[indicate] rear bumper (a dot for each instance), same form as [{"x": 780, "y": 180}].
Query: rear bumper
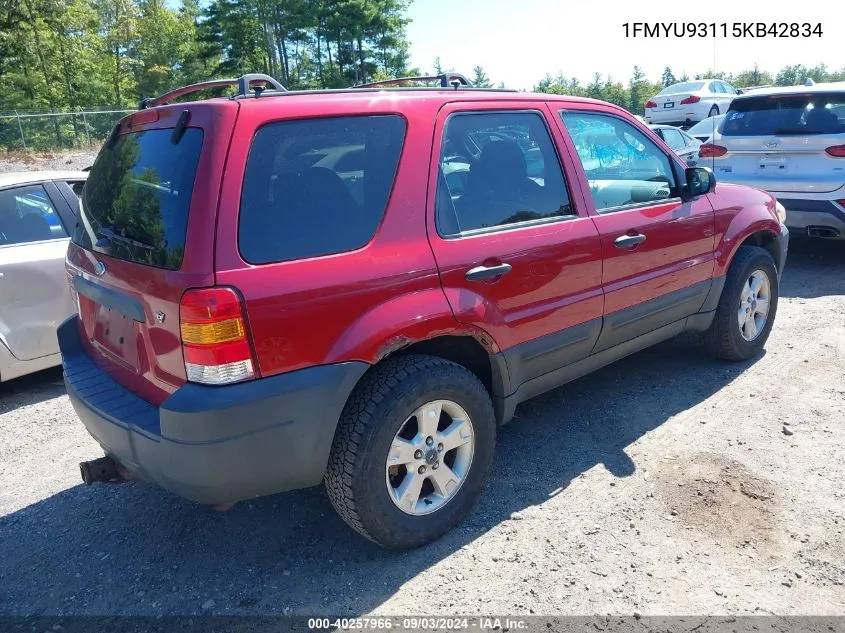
[
  {"x": 783, "y": 243},
  {"x": 804, "y": 215},
  {"x": 214, "y": 444}
]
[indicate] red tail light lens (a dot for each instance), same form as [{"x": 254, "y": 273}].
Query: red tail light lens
[
  {"x": 690, "y": 99},
  {"x": 837, "y": 151},
  {"x": 215, "y": 344},
  {"x": 711, "y": 151},
  {"x": 650, "y": 104}
]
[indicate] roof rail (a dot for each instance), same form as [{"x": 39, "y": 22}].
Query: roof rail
[
  {"x": 243, "y": 83},
  {"x": 455, "y": 80}
]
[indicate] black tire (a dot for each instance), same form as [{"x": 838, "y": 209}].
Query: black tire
[
  {"x": 714, "y": 111},
  {"x": 723, "y": 339},
  {"x": 387, "y": 395}
]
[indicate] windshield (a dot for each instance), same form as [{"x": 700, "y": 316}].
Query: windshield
[
  {"x": 790, "y": 114},
  {"x": 690, "y": 86},
  {"x": 135, "y": 203}
]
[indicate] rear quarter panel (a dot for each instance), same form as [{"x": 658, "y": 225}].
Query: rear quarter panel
[{"x": 740, "y": 212}]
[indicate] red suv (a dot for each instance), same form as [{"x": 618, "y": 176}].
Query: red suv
[{"x": 359, "y": 286}]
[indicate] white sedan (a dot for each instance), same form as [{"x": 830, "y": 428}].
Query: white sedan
[
  {"x": 37, "y": 215},
  {"x": 690, "y": 102},
  {"x": 684, "y": 145}
]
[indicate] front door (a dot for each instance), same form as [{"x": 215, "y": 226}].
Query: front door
[
  {"x": 517, "y": 257},
  {"x": 657, "y": 247}
]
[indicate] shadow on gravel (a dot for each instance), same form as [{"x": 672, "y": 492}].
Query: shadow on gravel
[
  {"x": 814, "y": 268},
  {"x": 31, "y": 389},
  {"x": 133, "y": 549}
]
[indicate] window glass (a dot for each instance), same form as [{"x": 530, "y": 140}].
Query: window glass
[
  {"x": 714, "y": 87},
  {"x": 623, "y": 166},
  {"x": 674, "y": 138},
  {"x": 317, "y": 186},
  {"x": 498, "y": 168},
  {"x": 136, "y": 200},
  {"x": 27, "y": 215},
  {"x": 786, "y": 114},
  {"x": 690, "y": 86}
]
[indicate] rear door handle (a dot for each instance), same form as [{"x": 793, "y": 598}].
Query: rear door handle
[
  {"x": 480, "y": 273},
  {"x": 629, "y": 241}
]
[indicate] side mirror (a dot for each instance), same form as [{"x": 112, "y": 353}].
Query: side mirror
[{"x": 700, "y": 181}]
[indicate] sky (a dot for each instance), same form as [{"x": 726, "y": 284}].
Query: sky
[{"x": 519, "y": 41}]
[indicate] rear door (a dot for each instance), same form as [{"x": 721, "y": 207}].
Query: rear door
[
  {"x": 145, "y": 234},
  {"x": 517, "y": 252},
  {"x": 34, "y": 296},
  {"x": 779, "y": 142},
  {"x": 657, "y": 248}
]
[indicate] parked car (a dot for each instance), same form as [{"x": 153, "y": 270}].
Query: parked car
[
  {"x": 37, "y": 214},
  {"x": 684, "y": 145},
  {"x": 704, "y": 130},
  {"x": 246, "y": 328},
  {"x": 791, "y": 142},
  {"x": 690, "y": 102}
]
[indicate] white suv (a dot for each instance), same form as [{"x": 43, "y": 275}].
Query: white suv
[{"x": 791, "y": 143}]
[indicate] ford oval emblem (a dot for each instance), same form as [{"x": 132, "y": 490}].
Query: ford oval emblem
[{"x": 100, "y": 269}]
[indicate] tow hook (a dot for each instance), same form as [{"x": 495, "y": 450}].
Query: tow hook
[{"x": 104, "y": 469}]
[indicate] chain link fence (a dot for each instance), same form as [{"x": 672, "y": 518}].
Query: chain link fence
[{"x": 42, "y": 131}]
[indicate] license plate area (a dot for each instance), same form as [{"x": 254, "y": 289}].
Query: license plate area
[
  {"x": 773, "y": 165},
  {"x": 669, "y": 104},
  {"x": 114, "y": 334}
]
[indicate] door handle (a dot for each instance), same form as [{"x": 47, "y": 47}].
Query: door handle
[
  {"x": 629, "y": 241},
  {"x": 481, "y": 273}
]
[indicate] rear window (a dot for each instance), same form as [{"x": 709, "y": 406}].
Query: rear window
[
  {"x": 136, "y": 200},
  {"x": 318, "y": 186},
  {"x": 794, "y": 114},
  {"x": 692, "y": 86}
]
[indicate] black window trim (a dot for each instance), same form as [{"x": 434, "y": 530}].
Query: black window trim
[
  {"x": 674, "y": 164},
  {"x": 58, "y": 206},
  {"x": 279, "y": 262},
  {"x": 516, "y": 225}
]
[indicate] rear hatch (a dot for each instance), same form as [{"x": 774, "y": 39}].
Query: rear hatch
[
  {"x": 144, "y": 235},
  {"x": 783, "y": 143}
]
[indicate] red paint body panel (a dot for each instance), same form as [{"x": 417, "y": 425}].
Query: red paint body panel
[{"x": 740, "y": 212}]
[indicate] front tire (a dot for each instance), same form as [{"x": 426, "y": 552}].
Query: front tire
[
  {"x": 412, "y": 451},
  {"x": 747, "y": 307}
]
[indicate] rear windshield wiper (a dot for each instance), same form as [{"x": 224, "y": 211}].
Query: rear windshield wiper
[{"x": 110, "y": 235}]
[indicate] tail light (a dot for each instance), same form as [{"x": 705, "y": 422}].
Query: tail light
[
  {"x": 215, "y": 343},
  {"x": 709, "y": 150},
  {"x": 650, "y": 104},
  {"x": 690, "y": 99},
  {"x": 837, "y": 151}
]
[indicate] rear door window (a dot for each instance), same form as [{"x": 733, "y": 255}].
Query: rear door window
[
  {"x": 784, "y": 115},
  {"x": 317, "y": 186},
  {"x": 136, "y": 200},
  {"x": 674, "y": 138}
]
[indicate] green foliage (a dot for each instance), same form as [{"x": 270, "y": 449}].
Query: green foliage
[{"x": 480, "y": 78}]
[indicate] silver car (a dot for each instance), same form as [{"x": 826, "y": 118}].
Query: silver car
[{"x": 37, "y": 214}]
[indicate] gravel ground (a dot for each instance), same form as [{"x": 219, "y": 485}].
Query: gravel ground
[
  {"x": 668, "y": 483},
  {"x": 70, "y": 161}
]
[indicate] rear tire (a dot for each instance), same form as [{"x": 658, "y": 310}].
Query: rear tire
[
  {"x": 714, "y": 111},
  {"x": 740, "y": 328},
  {"x": 363, "y": 480}
]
